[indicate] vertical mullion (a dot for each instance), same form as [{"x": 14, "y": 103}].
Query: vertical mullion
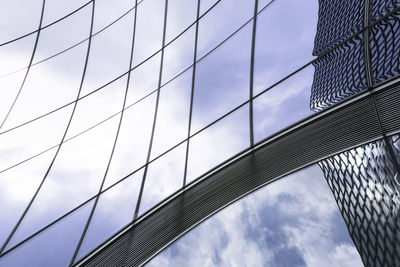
[
  {"x": 114, "y": 143},
  {"x": 192, "y": 92},
  {"x": 155, "y": 114},
  {"x": 251, "y": 86}
]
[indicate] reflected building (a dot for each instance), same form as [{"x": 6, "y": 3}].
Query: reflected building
[{"x": 359, "y": 45}]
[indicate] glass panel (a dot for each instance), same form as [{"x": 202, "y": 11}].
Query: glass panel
[
  {"x": 97, "y": 107},
  {"x": 14, "y": 56},
  {"x": 75, "y": 176},
  {"x": 178, "y": 55},
  {"x": 144, "y": 79},
  {"x": 64, "y": 34},
  {"x": 17, "y": 187},
  {"x": 218, "y": 142},
  {"x": 206, "y": 5},
  {"x": 283, "y": 45},
  {"x": 181, "y": 14},
  {"x": 49, "y": 85},
  {"x": 222, "y": 80},
  {"x": 109, "y": 54},
  {"x": 263, "y": 3},
  {"x": 286, "y": 223},
  {"x": 24, "y": 142},
  {"x": 164, "y": 177},
  {"x": 173, "y": 114},
  {"x": 53, "y": 247},
  {"x": 222, "y": 21},
  {"x": 18, "y": 18},
  {"x": 283, "y": 105},
  {"x": 149, "y": 29},
  {"x": 114, "y": 210},
  {"x": 56, "y": 9},
  {"x": 133, "y": 141},
  {"x": 108, "y": 11}
]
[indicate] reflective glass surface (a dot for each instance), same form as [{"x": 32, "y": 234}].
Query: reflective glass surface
[{"x": 150, "y": 120}]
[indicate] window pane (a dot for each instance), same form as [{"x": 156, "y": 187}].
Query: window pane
[
  {"x": 225, "y": 18},
  {"x": 56, "y": 9},
  {"x": 17, "y": 187},
  {"x": 114, "y": 210},
  {"x": 180, "y": 15},
  {"x": 178, "y": 55},
  {"x": 133, "y": 141},
  {"x": 108, "y": 11},
  {"x": 48, "y": 86},
  {"x": 222, "y": 80},
  {"x": 18, "y": 18},
  {"x": 283, "y": 105},
  {"x": 284, "y": 40},
  {"x": 75, "y": 176},
  {"x": 286, "y": 223},
  {"x": 173, "y": 114},
  {"x": 53, "y": 247},
  {"x": 218, "y": 142},
  {"x": 24, "y": 142},
  {"x": 149, "y": 29},
  {"x": 144, "y": 79},
  {"x": 164, "y": 177},
  {"x": 109, "y": 58}
]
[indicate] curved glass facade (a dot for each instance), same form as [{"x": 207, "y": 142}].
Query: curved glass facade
[{"x": 115, "y": 116}]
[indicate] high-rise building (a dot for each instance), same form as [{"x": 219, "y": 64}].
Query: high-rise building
[{"x": 365, "y": 179}]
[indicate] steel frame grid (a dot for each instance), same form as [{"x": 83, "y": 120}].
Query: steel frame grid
[{"x": 252, "y": 53}]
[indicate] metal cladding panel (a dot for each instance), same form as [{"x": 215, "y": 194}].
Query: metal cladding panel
[{"x": 336, "y": 131}]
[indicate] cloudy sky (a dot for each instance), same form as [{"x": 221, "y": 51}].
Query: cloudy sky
[{"x": 284, "y": 43}]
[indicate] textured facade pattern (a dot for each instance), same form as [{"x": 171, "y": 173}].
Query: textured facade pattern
[
  {"x": 385, "y": 48},
  {"x": 334, "y": 73},
  {"x": 363, "y": 180}
]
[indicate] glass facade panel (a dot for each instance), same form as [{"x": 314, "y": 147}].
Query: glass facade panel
[
  {"x": 173, "y": 114},
  {"x": 109, "y": 59},
  {"x": 17, "y": 187},
  {"x": 53, "y": 247},
  {"x": 180, "y": 16},
  {"x": 39, "y": 95},
  {"x": 222, "y": 80},
  {"x": 149, "y": 29},
  {"x": 74, "y": 177},
  {"x": 24, "y": 16},
  {"x": 114, "y": 210},
  {"x": 283, "y": 45},
  {"x": 161, "y": 181},
  {"x": 213, "y": 30},
  {"x": 218, "y": 142},
  {"x": 291, "y": 97},
  {"x": 133, "y": 141}
]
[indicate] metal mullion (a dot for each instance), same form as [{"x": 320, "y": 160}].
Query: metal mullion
[
  {"x": 251, "y": 86},
  {"x": 155, "y": 113},
  {"x": 62, "y": 139},
  {"x": 114, "y": 144},
  {"x": 192, "y": 92}
]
